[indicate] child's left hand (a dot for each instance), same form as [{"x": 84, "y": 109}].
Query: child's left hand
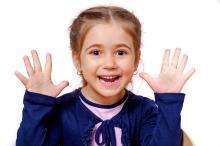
[{"x": 171, "y": 77}]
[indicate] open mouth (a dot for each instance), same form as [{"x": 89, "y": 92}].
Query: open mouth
[{"x": 110, "y": 80}]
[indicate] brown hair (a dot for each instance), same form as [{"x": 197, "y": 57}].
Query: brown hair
[{"x": 104, "y": 14}]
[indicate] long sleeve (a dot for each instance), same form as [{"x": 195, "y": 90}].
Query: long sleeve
[
  {"x": 38, "y": 121},
  {"x": 161, "y": 124}
]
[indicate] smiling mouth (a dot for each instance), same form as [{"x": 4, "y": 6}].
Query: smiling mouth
[{"x": 109, "y": 79}]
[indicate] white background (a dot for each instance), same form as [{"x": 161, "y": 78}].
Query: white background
[{"x": 193, "y": 25}]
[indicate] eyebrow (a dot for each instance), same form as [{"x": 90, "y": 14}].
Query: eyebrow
[
  {"x": 117, "y": 46},
  {"x": 94, "y": 45},
  {"x": 123, "y": 45}
]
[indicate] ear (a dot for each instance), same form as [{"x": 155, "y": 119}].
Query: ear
[
  {"x": 136, "y": 64},
  {"x": 76, "y": 62},
  {"x": 135, "y": 69}
]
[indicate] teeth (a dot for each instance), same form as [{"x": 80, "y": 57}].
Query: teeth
[{"x": 108, "y": 77}]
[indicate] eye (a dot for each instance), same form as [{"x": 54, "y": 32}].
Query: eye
[
  {"x": 121, "y": 52},
  {"x": 95, "y": 52}
]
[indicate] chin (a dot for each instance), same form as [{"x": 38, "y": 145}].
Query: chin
[{"x": 107, "y": 92}]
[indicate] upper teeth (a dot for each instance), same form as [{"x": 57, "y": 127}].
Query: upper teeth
[{"x": 109, "y": 77}]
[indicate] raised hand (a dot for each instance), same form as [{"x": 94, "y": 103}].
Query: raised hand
[
  {"x": 39, "y": 80},
  {"x": 171, "y": 77}
]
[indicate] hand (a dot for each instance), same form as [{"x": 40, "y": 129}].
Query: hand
[
  {"x": 171, "y": 77},
  {"x": 39, "y": 80}
]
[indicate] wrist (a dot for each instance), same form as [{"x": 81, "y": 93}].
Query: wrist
[
  {"x": 169, "y": 96},
  {"x": 38, "y": 98}
]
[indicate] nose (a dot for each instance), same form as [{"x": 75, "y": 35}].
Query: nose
[{"x": 110, "y": 62}]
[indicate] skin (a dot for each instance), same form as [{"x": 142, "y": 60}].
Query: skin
[
  {"x": 171, "y": 78},
  {"x": 110, "y": 61},
  {"x": 101, "y": 57}
]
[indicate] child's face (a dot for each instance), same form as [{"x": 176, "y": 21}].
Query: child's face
[{"x": 107, "y": 60}]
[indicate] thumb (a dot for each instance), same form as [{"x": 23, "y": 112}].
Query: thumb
[
  {"x": 62, "y": 85},
  {"x": 148, "y": 78}
]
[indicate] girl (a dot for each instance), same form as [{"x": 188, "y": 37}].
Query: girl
[{"x": 105, "y": 43}]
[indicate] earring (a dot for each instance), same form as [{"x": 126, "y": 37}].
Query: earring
[
  {"x": 135, "y": 73},
  {"x": 79, "y": 73}
]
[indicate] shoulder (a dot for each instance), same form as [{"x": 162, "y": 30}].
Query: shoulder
[
  {"x": 139, "y": 99},
  {"x": 140, "y": 103},
  {"x": 68, "y": 99}
]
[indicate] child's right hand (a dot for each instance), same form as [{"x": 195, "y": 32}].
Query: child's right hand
[{"x": 39, "y": 80}]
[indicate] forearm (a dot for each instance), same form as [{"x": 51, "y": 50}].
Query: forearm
[
  {"x": 161, "y": 123},
  {"x": 35, "y": 119},
  {"x": 168, "y": 128}
]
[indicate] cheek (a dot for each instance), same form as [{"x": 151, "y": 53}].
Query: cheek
[
  {"x": 128, "y": 67},
  {"x": 89, "y": 66}
]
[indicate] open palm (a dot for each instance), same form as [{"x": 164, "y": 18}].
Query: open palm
[
  {"x": 171, "y": 77},
  {"x": 39, "y": 80}
]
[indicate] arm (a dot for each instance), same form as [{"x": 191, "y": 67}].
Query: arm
[
  {"x": 39, "y": 125},
  {"x": 165, "y": 125},
  {"x": 161, "y": 122}
]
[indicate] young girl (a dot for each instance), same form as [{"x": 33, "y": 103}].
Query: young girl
[{"x": 105, "y": 43}]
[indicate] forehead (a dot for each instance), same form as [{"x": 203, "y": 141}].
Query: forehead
[{"x": 108, "y": 34}]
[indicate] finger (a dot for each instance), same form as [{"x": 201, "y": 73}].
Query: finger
[
  {"x": 189, "y": 74},
  {"x": 22, "y": 78},
  {"x": 36, "y": 60},
  {"x": 183, "y": 63},
  {"x": 62, "y": 85},
  {"x": 165, "y": 62},
  {"x": 28, "y": 66},
  {"x": 48, "y": 65},
  {"x": 175, "y": 58},
  {"x": 147, "y": 78}
]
